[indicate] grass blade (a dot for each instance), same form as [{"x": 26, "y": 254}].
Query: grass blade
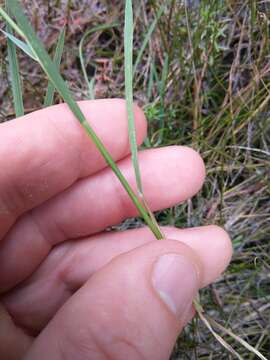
[
  {"x": 57, "y": 60},
  {"x": 226, "y": 346},
  {"x": 90, "y": 84},
  {"x": 54, "y": 76},
  {"x": 20, "y": 44},
  {"x": 210, "y": 323},
  {"x": 128, "y": 43},
  {"x": 236, "y": 338},
  {"x": 162, "y": 88},
  {"x": 147, "y": 38},
  {"x": 14, "y": 74}
]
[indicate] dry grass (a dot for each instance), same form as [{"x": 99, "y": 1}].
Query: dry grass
[{"x": 203, "y": 81}]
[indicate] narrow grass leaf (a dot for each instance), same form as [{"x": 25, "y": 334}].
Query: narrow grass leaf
[
  {"x": 91, "y": 89},
  {"x": 90, "y": 84},
  {"x": 20, "y": 44},
  {"x": 164, "y": 75},
  {"x": 128, "y": 43},
  {"x": 162, "y": 88},
  {"x": 15, "y": 79},
  {"x": 147, "y": 38},
  {"x": 236, "y": 337},
  {"x": 150, "y": 83},
  {"x": 57, "y": 60},
  {"x": 54, "y": 76},
  {"x": 227, "y": 346},
  {"x": 210, "y": 323}
]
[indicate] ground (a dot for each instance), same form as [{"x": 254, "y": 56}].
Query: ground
[{"x": 203, "y": 81}]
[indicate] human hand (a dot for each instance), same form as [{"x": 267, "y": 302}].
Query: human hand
[{"x": 70, "y": 290}]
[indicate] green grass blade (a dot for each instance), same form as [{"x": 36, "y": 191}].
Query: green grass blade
[
  {"x": 53, "y": 74},
  {"x": 91, "y": 89},
  {"x": 57, "y": 60},
  {"x": 164, "y": 75},
  {"x": 128, "y": 43},
  {"x": 14, "y": 74},
  {"x": 147, "y": 38},
  {"x": 162, "y": 89},
  {"x": 20, "y": 44},
  {"x": 90, "y": 84},
  {"x": 150, "y": 83}
]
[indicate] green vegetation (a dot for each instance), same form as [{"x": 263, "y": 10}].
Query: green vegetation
[{"x": 203, "y": 81}]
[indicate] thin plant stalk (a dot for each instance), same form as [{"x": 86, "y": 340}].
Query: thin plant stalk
[{"x": 54, "y": 76}]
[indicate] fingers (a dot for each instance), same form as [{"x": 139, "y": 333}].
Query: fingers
[
  {"x": 103, "y": 193},
  {"x": 70, "y": 265},
  {"x": 95, "y": 203},
  {"x": 53, "y": 151},
  {"x": 133, "y": 308}
]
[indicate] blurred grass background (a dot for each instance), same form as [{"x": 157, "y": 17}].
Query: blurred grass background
[{"x": 203, "y": 81}]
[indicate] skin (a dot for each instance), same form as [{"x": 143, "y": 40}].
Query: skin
[{"x": 68, "y": 289}]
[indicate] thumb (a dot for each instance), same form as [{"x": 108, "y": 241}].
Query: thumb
[{"x": 133, "y": 308}]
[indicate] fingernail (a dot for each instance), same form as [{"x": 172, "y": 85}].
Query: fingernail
[{"x": 175, "y": 279}]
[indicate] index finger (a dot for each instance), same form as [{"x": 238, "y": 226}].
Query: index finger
[{"x": 45, "y": 152}]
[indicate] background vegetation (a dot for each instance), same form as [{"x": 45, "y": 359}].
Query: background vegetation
[{"x": 203, "y": 81}]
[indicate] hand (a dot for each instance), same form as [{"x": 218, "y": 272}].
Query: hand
[{"x": 70, "y": 290}]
